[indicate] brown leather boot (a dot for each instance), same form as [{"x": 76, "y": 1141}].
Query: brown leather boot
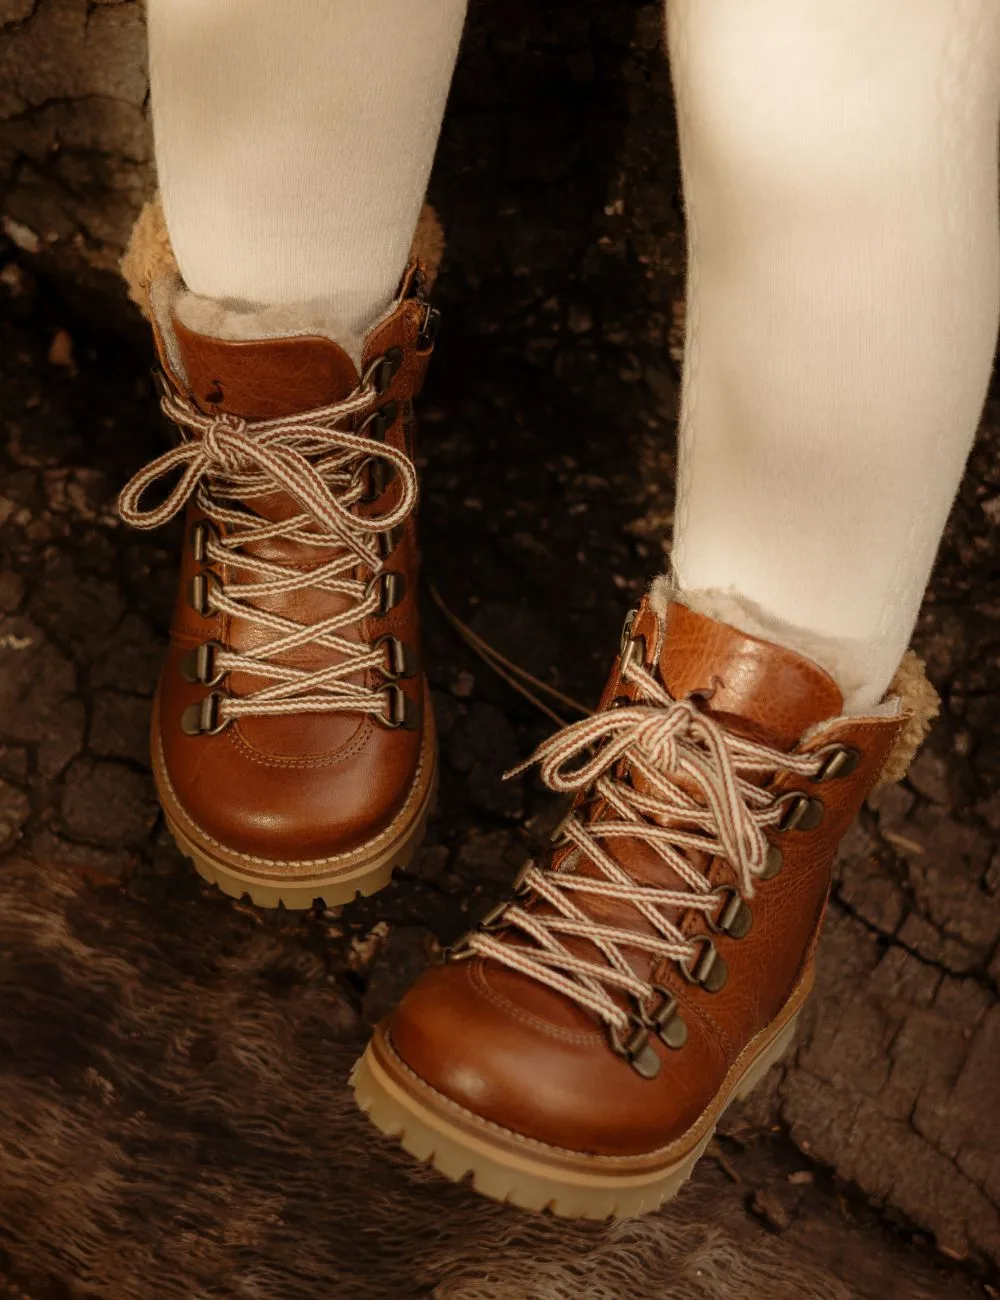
[
  {"x": 576, "y": 1052},
  {"x": 292, "y": 737}
]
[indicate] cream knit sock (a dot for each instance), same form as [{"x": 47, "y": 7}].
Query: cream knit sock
[
  {"x": 840, "y": 172},
  {"x": 294, "y": 139}
]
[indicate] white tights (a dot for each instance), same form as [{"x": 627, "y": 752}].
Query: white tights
[
  {"x": 294, "y": 139},
  {"x": 840, "y": 174},
  {"x": 840, "y": 164}
]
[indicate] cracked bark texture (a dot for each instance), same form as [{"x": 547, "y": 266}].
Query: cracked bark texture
[
  {"x": 75, "y": 153},
  {"x": 548, "y": 430}
]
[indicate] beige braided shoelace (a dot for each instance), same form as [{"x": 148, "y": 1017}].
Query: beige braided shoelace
[
  {"x": 696, "y": 795},
  {"x": 226, "y": 464}
]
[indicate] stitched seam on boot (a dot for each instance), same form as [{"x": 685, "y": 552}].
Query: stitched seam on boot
[
  {"x": 536, "y": 1143},
  {"x": 346, "y": 751},
  {"x": 477, "y": 975},
  {"x": 386, "y": 833}
]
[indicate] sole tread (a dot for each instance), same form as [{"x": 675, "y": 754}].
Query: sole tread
[
  {"x": 364, "y": 879},
  {"x": 430, "y": 1139}
]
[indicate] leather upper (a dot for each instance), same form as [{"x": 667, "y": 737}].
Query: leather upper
[
  {"x": 515, "y": 1053},
  {"x": 299, "y": 787}
]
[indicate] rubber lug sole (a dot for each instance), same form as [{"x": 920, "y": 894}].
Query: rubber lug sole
[{"x": 524, "y": 1179}]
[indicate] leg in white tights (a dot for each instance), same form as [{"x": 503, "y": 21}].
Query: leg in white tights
[
  {"x": 294, "y": 139},
  {"x": 840, "y": 177},
  {"x": 840, "y": 170}
]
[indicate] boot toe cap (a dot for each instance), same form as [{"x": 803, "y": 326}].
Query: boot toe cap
[
  {"x": 504, "y": 1052},
  {"x": 257, "y": 806}
]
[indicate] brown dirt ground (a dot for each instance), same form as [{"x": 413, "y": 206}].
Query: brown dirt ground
[{"x": 872, "y": 1157}]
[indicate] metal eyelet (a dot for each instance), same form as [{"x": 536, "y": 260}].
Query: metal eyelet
[
  {"x": 842, "y": 760},
  {"x": 400, "y": 659},
  {"x": 666, "y": 1021},
  {"x": 202, "y": 533},
  {"x": 773, "y": 863},
  {"x": 520, "y": 884},
  {"x": 392, "y": 589},
  {"x": 559, "y": 835},
  {"x": 198, "y": 592},
  {"x": 634, "y": 652},
  {"x": 709, "y": 969},
  {"x": 389, "y": 540},
  {"x": 804, "y": 812},
  {"x": 378, "y": 424},
  {"x": 637, "y": 1050},
  {"x": 198, "y": 665},
  {"x": 429, "y": 329},
  {"x": 160, "y": 381},
  {"x": 734, "y": 917},
  {"x": 383, "y": 370},
  {"x": 380, "y": 474},
  {"x": 204, "y": 717},
  {"x": 401, "y": 712},
  {"x": 493, "y": 920}
]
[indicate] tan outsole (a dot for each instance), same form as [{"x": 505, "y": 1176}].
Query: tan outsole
[
  {"x": 365, "y": 877},
  {"x": 523, "y": 1179}
]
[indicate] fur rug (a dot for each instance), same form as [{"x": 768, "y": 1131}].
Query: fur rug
[{"x": 174, "y": 1123}]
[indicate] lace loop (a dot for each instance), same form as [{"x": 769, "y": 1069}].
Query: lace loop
[
  {"x": 674, "y": 778},
  {"x": 228, "y": 462}
]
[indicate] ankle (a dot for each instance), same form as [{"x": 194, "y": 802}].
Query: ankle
[
  {"x": 222, "y": 319},
  {"x": 860, "y": 667}
]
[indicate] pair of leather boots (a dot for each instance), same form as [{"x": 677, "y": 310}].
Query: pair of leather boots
[{"x": 577, "y": 1049}]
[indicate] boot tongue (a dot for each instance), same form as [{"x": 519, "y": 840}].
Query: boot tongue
[
  {"x": 760, "y": 690},
  {"x": 264, "y": 379}
]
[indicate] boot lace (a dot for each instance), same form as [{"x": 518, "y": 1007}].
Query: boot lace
[
  {"x": 226, "y": 464},
  {"x": 696, "y": 794}
]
